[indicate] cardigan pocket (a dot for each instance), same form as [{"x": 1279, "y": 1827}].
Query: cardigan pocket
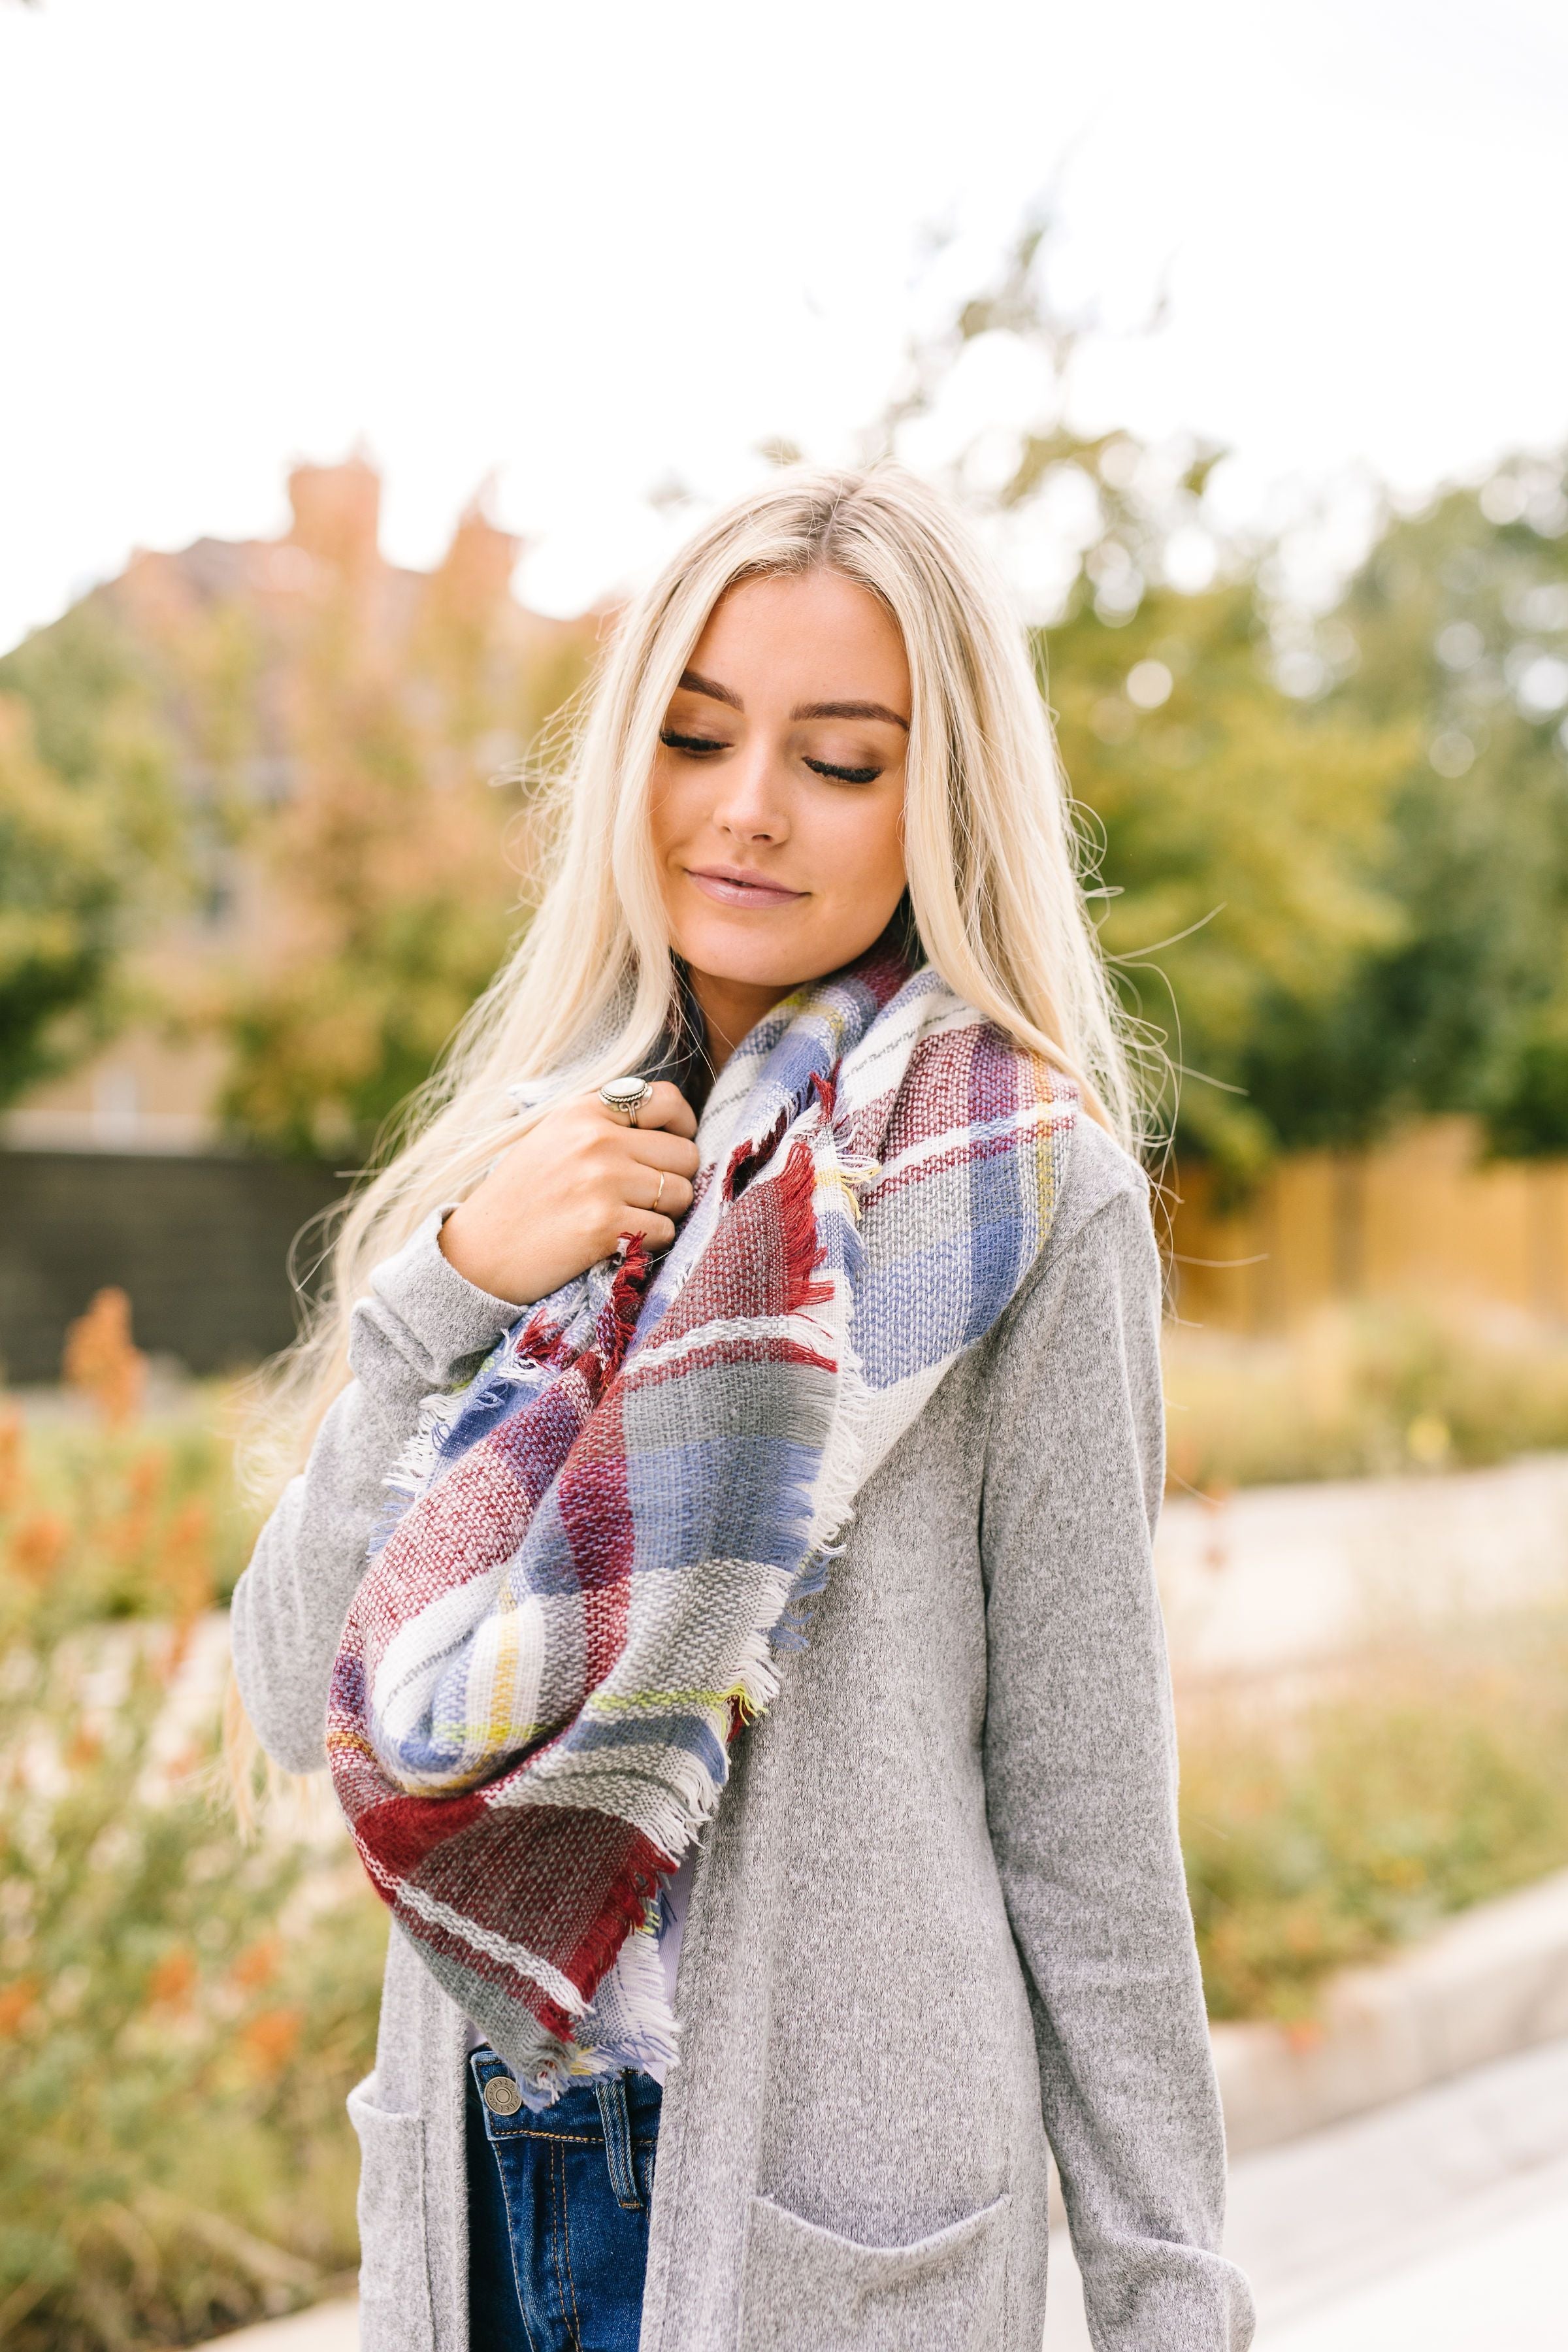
[
  {"x": 804, "y": 2289},
  {"x": 395, "y": 2309}
]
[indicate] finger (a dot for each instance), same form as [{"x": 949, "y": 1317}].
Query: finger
[
  {"x": 667, "y": 1107},
  {"x": 667, "y": 1196},
  {"x": 658, "y": 1233},
  {"x": 660, "y": 1149}
]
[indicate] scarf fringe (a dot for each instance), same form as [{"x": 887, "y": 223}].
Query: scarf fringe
[{"x": 653, "y": 2037}]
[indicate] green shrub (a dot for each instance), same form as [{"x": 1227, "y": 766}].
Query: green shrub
[
  {"x": 1326, "y": 1833},
  {"x": 181, "y": 2015},
  {"x": 1362, "y": 1390},
  {"x": 123, "y": 1522}
]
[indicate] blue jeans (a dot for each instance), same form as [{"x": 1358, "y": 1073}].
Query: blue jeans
[{"x": 558, "y": 2206}]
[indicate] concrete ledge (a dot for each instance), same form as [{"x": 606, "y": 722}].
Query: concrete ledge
[
  {"x": 1493, "y": 1981},
  {"x": 325, "y": 2327},
  {"x": 1276, "y": 1577}
]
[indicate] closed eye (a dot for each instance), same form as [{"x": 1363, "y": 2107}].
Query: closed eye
[
  {"x": 844, "y": 775},
  {"x": 694, "y": 744}
]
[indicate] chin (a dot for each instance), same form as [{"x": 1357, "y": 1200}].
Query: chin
[{"x": 740, "y": 951}]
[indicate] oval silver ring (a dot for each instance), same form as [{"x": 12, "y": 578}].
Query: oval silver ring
[{"x": 626, "y": 1095}]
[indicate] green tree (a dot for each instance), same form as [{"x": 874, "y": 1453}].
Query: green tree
[
  {"x": 1242, "y": 834},
  {"x": 1234, "y": 830},
  {"x": 1455, "y": 632},
  {"x": 309, "y": 735},
  {"x": 89, "y": 841},
  {"x": 390, "y": 856}
]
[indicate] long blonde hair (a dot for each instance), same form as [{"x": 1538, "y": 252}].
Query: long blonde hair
[{"x": 994, "y": 866}]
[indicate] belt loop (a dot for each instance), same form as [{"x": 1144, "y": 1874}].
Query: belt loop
[{"x": 611, "y": 2093}]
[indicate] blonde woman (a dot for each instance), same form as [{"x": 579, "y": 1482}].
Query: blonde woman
[{"x": 720, "y": 1580}]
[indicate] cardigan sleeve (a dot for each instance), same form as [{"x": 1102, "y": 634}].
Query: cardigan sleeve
[
  {"x": 422, "y": 1326},
  {"x": 1080, "y": 1790}
]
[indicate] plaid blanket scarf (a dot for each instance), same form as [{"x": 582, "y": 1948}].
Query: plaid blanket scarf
[{"x": 600, "y": 1546}]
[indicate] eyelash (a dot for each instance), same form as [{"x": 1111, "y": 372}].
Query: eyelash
[
  {"x": 696, "y": 746},
  {"x": 693, "y": 744},
  {"x": 844, "y": 775}
]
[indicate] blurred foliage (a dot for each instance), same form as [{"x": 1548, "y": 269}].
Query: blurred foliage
[
  {"x": 89, "y": 840},
  {"x": 1366, "y": 1388},
  {"x": 402, "y": 904},
  {"x": 121, "y": 1513},
  {"x": 1329, "y": 853},
  {"x": 1335, "y": 853},
  {"x": 391, "y": 847},
  {"x": 114, "y": 1510},
  {"x": 316, "y": 735},
  {"x": 1324, "y": 1835},
  {"x": 1458, "y": 620},
  {"x": 1242, "y": 832},
  {"x": 181, "y": 2015}
]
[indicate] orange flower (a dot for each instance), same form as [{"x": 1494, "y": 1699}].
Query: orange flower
[
  {"x": 271, "y": 2038},
  {"x": 10, "y": 1460},
  {"x": 171, "y": 1979},
  {"x": 40, "y": 1545},
  {"x": 185, "y": 1568},
  {"x": 146, "y": 1476},
  {"x": 16, "y": 2002},
  {"x": 127, "y": 1532},
  {"x": 176, "y": 1650},
  {"x": 101, "y": 1359},
  {"x": 257, "y": 1965}
]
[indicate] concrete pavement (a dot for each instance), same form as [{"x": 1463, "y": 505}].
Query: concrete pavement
[{"x": 329, "y": 2328}]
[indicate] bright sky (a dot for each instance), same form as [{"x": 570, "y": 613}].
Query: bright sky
[{"x": 586, "y": 249}]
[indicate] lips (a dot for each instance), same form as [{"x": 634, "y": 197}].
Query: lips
[{"x": 736, "y": 887}]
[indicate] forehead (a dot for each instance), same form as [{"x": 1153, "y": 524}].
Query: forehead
[{"x": 814, "y": 633}]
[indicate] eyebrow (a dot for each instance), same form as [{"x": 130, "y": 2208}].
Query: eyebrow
[
  {"x": 693, "y": 682},
  {"x": 849, "y": 711}
]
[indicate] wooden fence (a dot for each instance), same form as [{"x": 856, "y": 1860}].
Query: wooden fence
[
  {"x": 1423, "y": 1215},
  {"x": 200, "y": 1243}
]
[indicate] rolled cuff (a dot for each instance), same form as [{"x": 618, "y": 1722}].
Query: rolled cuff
[{"x": 448, "y": 1315}]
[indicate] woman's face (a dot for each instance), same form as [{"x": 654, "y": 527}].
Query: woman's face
[{"x": 778, "y": 793}]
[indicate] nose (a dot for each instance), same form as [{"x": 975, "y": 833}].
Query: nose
[{"x": 750, "y": 803}]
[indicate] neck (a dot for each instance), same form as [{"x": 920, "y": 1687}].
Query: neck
[{"x": 729, "y": 1009}]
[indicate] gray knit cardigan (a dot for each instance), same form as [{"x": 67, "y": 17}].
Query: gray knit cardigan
[{"x": 940, "y": 1914}]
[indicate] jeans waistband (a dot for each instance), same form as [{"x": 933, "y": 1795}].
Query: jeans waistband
[{"x": 612, "y": 2110}]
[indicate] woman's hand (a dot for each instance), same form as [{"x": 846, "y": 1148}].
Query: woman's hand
[{"x": 561, "y": 1198}]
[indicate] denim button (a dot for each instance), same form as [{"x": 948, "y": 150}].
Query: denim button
[{"x": 501, "y": 2095}]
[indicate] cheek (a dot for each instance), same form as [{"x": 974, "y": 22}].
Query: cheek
[
  {"x": 664, "y": 806},
  {"x": 862, "y": 846},
  {"x": 680, "y": 810}
]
